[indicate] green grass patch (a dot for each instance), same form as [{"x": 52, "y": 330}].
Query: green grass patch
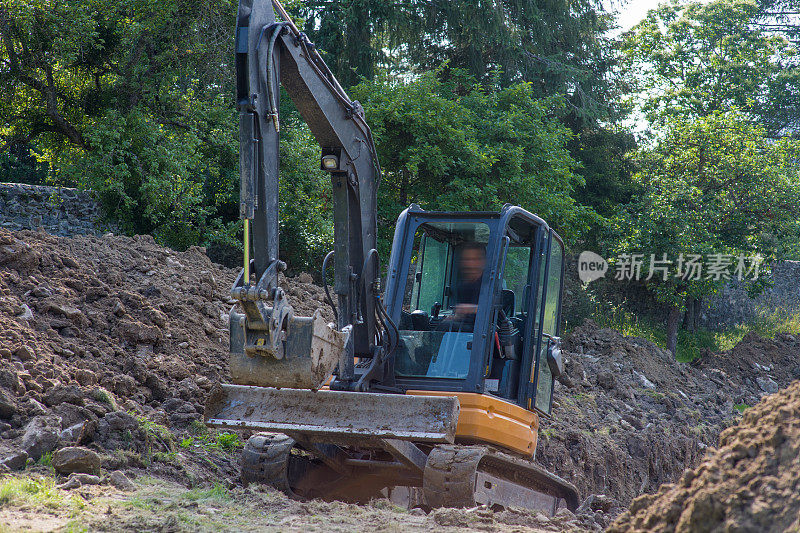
[
  {"x": 46, "y": 460},
  {"x": 165, "y": 457},
  {"x": 223, "y": 441},
  {"x": 692, "y": 344},
  {"x": 197, "y": 427},
  {"x": 37, "y": 492},
  {"x": 216, "y": 492},
  {"x": 103, "y": 396},
  {"x": 226, "y": 441},
  {"x": 157, "y": 432},
  {"x": 741, "y": 407}
]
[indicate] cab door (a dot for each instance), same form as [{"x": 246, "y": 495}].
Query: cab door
[{"x": 536, "y": 389}]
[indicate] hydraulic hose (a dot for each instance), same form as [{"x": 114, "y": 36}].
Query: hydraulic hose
[{"x": 273, "y": 30}]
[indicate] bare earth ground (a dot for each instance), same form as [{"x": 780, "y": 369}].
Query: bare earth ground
[
  {"x": 113, "y": 343},
  {"x": 750, "y": 483},
  {"x": 159, "y": 505}
]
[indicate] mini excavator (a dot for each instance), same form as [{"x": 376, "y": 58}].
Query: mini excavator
[{"x": 433, "y": 389}]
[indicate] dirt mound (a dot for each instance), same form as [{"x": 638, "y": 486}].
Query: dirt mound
[
  {"x": 750, "y": 483},
  {"x": 102, "y": 337},
  {"x": 756, "y": 366},
  {"x": 627, "y": 417}
]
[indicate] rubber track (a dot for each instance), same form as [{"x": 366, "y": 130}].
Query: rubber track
[
  {"x": 529, "y": 474},
  {"x": 450, "y": 472},
  {"x": 265, "y": 460},
  {"x": 449, "y": 478}
]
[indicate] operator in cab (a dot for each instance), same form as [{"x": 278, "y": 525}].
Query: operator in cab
[
  {"x": 472, "y": 263},
  {"x": 468, "y": 290}
]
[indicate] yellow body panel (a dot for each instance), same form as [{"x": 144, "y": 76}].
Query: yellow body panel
[{"x": 493, "y": 420}]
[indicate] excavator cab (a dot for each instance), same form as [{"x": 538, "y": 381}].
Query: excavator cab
[{"x": 477, "y": 301}]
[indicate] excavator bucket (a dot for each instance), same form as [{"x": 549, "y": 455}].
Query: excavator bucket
[
  {"x": 333, "y": 414},
  {"x": 304, "y": 356}
]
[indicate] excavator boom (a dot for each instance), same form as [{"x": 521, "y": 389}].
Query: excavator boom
[{"x": 271, "y": 346}]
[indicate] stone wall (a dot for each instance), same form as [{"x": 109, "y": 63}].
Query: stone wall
[
  {"x": 733, "y": 305},
  {"x": 57, "y": 210}
]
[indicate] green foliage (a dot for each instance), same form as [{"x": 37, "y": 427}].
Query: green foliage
[
  {"x": 692, "y": 344},
  {"x": 161, "y": 437},
  {"x": 132, "y": 99},
  {"x": 146, "y": 176},
  {"x": 129, "y": 98},
  {"x": 696, "y": 59},
  {"x": 226, "y": 441},
  {"x": 212, "y": 440},
  {"x": 713, "y": 185},
  {"x": 560, "y": 46},
  {"x": 198, "y": 427},
  {"x": 454, "y": 145},
  {"x": 306, "y": 223},
  {"x": 217, "y": 492},
  {"x": 46, "y": 460},
  {"x": 21, "y": 165},
  {"x": 353, "y": 32},
  {"x": 165, "y": 457}
]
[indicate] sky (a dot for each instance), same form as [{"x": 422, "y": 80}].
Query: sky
[{"x": 632, "y": 11}]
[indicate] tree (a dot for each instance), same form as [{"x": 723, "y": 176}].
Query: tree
[
  {"x": 353, "y": 34},
  {"x": 712, "y": 185},
  {"x": 126, "y": 97},
  {"x": 133, "y": 98},
  {"x": 454, "y": 145},
  {"x": 696, "y": 59},
  {"x": 558, "y": 46},
  {"x": 781, "y": 17}
]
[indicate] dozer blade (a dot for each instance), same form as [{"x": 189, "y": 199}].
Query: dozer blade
[
  {"x": 328, "y": 413},
  {"x": 308, "y": 353}
]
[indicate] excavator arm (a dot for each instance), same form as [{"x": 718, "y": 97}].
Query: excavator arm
[{"x": 271, "y": 54}]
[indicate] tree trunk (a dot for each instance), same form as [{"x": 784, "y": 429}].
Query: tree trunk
[
  {"x": 698, "y": 308},
  {"x": 673, "y": 320},
  {"x": 690, "y": 318}
]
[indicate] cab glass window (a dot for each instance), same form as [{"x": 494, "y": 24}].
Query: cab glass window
[{"x": 446, "y": 274}]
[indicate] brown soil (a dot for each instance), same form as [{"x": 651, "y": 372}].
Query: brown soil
[
  {"x": 116, "y": 333},
  {"x": 750, "y": 483},
  {"x": 627, "y": 417}
]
